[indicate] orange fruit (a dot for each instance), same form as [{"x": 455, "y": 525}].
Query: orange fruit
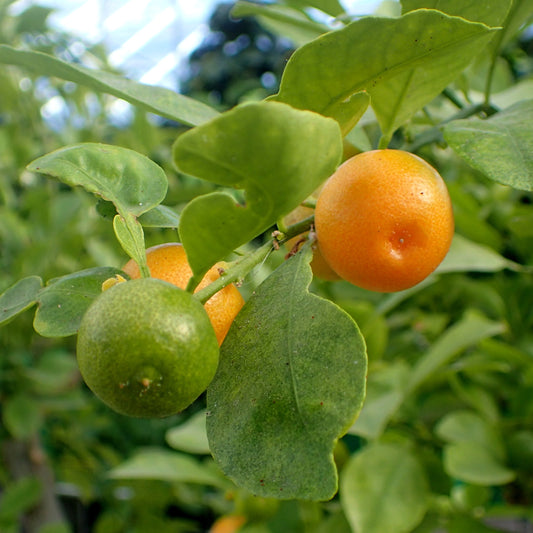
[
  {"x": 169, "y": 262},
  {"x": 318, "y": 264},
  {"x": 228, "y": 524},
  {"x": 384, "y": 220},
  {"x": 146, "y": 348}
]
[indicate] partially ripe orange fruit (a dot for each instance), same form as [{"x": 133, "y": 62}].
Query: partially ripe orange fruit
[
  {"x": 146, "y": 348},
  {"x": 169, "y": 262},
  {"x": 384, "y": 220}
]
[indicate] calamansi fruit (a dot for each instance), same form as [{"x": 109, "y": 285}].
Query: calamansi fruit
[
  {"x": 147, "y": 348},
  {"x": 384, "y": 220},
  {"x": 169, "y": 262}
]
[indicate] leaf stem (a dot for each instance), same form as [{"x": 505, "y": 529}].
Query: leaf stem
[
  {"x": 237, "y": 272},
  {"x": 434, "y": 134}
]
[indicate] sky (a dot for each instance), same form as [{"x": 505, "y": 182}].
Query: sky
[{"x": 146, "y": 39}]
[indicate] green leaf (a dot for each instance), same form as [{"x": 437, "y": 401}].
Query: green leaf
[
  {"x": 19, "y": 497},
  {"x": 468, "y": 331},
  {"x": 501, "y": 147},
  {"x": 408, "y": 61},
  {"x": 190, "y": 436},
  {"x": 158, "y": 100},
  {"x": 277, "y": 154},
  {"x": 19, "y": 297},
  {"x": 22, "y": 416},
  {"x": 468, "y": 256},
  {"x": 160, "y": 216},
  {"x": 330, "y": 7},
  {"x": 131, "y": 181},
  {"x": 63, "y": 302},
  {"x": 134, "y": 183},
  {"x": 467, "y": 426},
  {"x": 470, "y": 462},
  {"x": 282, "y": 20},
  {"x": 384, "y": 490},
  {"x": 291, "y": 380},
  {"x": 130, "y": 234},
  {"x": 165, "y": 465},
  {"x": 491, "y": 13}
]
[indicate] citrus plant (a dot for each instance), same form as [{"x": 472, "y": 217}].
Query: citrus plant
[{"x": 308, "y": 369}]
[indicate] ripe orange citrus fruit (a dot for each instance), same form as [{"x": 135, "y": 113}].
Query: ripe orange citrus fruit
[
  {"x": 146, "y": 348},
  {"x": 384, "y": 220},
  {"x": 318, "y": 264},
  {"x": 228, "y": 524},
  {"x": 169, "y": 262}
]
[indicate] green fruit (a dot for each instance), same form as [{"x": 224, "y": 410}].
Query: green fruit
[{"x": 147, "y": 348}]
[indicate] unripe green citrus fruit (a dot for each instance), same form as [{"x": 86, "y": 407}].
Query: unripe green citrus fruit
[{"x": 147, "y": 348}]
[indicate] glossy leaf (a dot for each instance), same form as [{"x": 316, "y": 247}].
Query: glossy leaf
[
  {"x": 285, "y": 389},
  {"x": 473, "y": 463},
  {"x": 408, "y": 61},
  {"x": 19, "y": 297},
  {"x": 277, "y": 154},
  {"x": 501, "y": 147},
  {"x": 63, "y": 302},
  {"x": 491, "y": 12},
  {"x": 131, "y": 181},
  {"x": 130, "y": 234},
  {"x": 160, "y": 464},
  {"x": 134, "y": 183},
  {"x": 384, "y": 490},
  {"x": 158, "y": 100}
]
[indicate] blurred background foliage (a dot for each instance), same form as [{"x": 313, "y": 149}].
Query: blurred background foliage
[{"x": 70, "y": 464}]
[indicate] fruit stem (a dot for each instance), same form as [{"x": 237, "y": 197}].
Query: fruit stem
[
  {"x": 240, "y": 268},
  {"x": 236, "y": 272}
]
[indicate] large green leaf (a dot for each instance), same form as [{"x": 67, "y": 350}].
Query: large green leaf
[
  {"x": 19, "y": 297},
  {"x": 489, "y": 12},
  {"x": 131, "y": 181},
  {"x": 63, "y": 302},
  {"x": 159, "y": 100},
  {"x": 291, "y": 380},
  {"x": 406, "y": 63},
  {"x": 501, "y": 147},
  {"x": 277, "y": 154},
  {"x": 384, "y": 490}
]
